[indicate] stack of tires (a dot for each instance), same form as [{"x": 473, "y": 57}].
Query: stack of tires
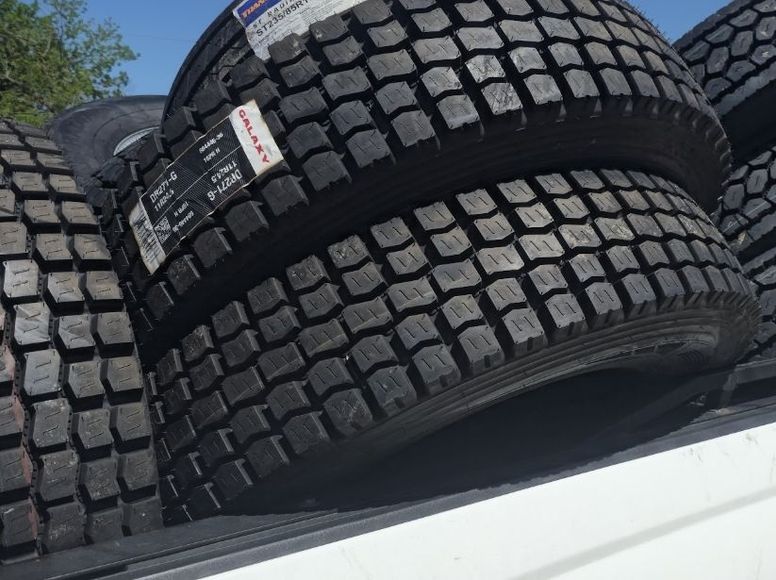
[
  {"x": 357, "y": 223},
  {"x": 77, "y": 460},
  {"x": 733, "y": 56}
]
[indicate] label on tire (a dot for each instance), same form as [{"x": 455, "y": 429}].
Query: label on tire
[
  {"x": 217, "y": 166},
  {"x": 267, "y": 21}
]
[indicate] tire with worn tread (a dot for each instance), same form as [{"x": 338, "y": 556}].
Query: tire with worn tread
[
  {"x": 77, "y": 462},
  {"x": 747, "y": 218},
  {"x": 422, "y": 319},
  {"x": 395, "y": 103},
  {"x": 732, "y": 54},
  {"x": 91, "y": 134}
]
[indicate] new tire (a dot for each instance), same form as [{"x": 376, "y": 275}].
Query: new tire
[
  {"x": 77, "y": 463},
  {"x": 417, "y": 321},
  {"x": 395, "y": 103},
  {"x": 91, "y": 134},
  {"x": 733, "y": 55}
]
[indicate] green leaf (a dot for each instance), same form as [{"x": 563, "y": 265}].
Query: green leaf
[{"x": 52, "y": 57}]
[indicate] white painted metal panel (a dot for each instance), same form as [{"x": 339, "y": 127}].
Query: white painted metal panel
[{"x": 704, "y": 511}]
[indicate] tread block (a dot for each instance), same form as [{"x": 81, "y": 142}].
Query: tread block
[
  {"x": 323, "y": 339},
  {"x": 348, "y": 412},
  {"x": 436, "y": 368},
  {"x": 137, "y": 470},
  {"x": 196, "y": 344},
  {"x": 564, "y": 316},
  {"x": 91, "y": 429},
  {"x": 143, "y": 515},
  {"x": 97, "y": 480},
  {"x": 104, "y": 525},
  {"x": 306, "y": 433},
  {"x": 249, "y": 423},
  {"x": 365, "y": 281},
  {"x": 11, "y": 417},
  {"x": 64, "y": 528},
  {"x": 20, "y": 282},
  {"x": 130, "y": 422},
  {"x": 15, "y": 470},
  {"x": 50, "y": 423},
  {"x": 57, "y": 475},
  {"x": 328, "y": 375},
  {"x": 19, "y": 524},
  {"x": 280, "y": 326},
  {"x": 41, "y": 373},
  {"x": 266, "y": 456},
  {"x": 31, "y": 327},
  {"x": 207, "y": 374},
  {"x": 287, "y": 398},
  {"x": 83, "y": 380},
  {"x": 121, "y": 375}
]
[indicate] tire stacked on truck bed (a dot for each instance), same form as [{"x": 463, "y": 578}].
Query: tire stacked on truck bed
[
  {"x": 406, "y": 326},
  {"x": 92, "y": 134},
  {"x": 397, "y": 103},
  {"x": 77, "y": 461},
  {"x": 733, "y": 56},
  {"x": 748, "y": 219},
  {"x": 387, "y": 217},
  {"x": 474, "y": 199}
]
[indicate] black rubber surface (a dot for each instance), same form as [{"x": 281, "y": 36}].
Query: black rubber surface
[
  {"x": 747, "y": 217},
  {"x": 747, "y": 213},
  {"x": 762, "y": 270},
  {"x": 425, "y": 318},
  {"x": 90, "y": 134},
  {"x": 402, "y": 102},
  {"x": 733, "y": 55},
  {"x": 215, "y": 53},
  {"x": 77, "y": 463}
]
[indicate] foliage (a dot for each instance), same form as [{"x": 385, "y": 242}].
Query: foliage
[{"x": 52, "y": 57}]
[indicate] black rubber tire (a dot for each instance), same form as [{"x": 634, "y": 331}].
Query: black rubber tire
[
  {"x": 77, "y": 462},
  {"x": 747, "y": 213},
  {"x": 222, "y": 69},
  {"x": 91, "y": 134},
  {"x": 416, "y": 322},
  {"x": 733, "y": 55},
  {"x": 747, "y": 218},
  {"x": 369, "y": 152},
  {"x": 762, "y": 271},
  {"x": 216, "y": 52}
]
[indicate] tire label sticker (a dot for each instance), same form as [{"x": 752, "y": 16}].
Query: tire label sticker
[
  {"x": 210, "y": 172},
  {"x": 267, "y": 21}
]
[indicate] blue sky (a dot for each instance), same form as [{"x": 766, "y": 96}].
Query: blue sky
[{"x": 163, "y": 31}]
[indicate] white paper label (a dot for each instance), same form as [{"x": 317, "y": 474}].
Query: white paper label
[
  {"x": 214, "y": 169},
  {"x": 267, "y": 21}
]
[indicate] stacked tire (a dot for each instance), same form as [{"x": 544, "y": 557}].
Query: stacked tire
[
  {"x": 733, "y": 56},
  {"x": 420, "y": 320},
  {"x": 77, "y": 461},
  {"x": 466, "y": 201},
  {"x": 95, "y": 136},
  {"x": 404, "y": 102},
  {"x": 493, "y": 194}
]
